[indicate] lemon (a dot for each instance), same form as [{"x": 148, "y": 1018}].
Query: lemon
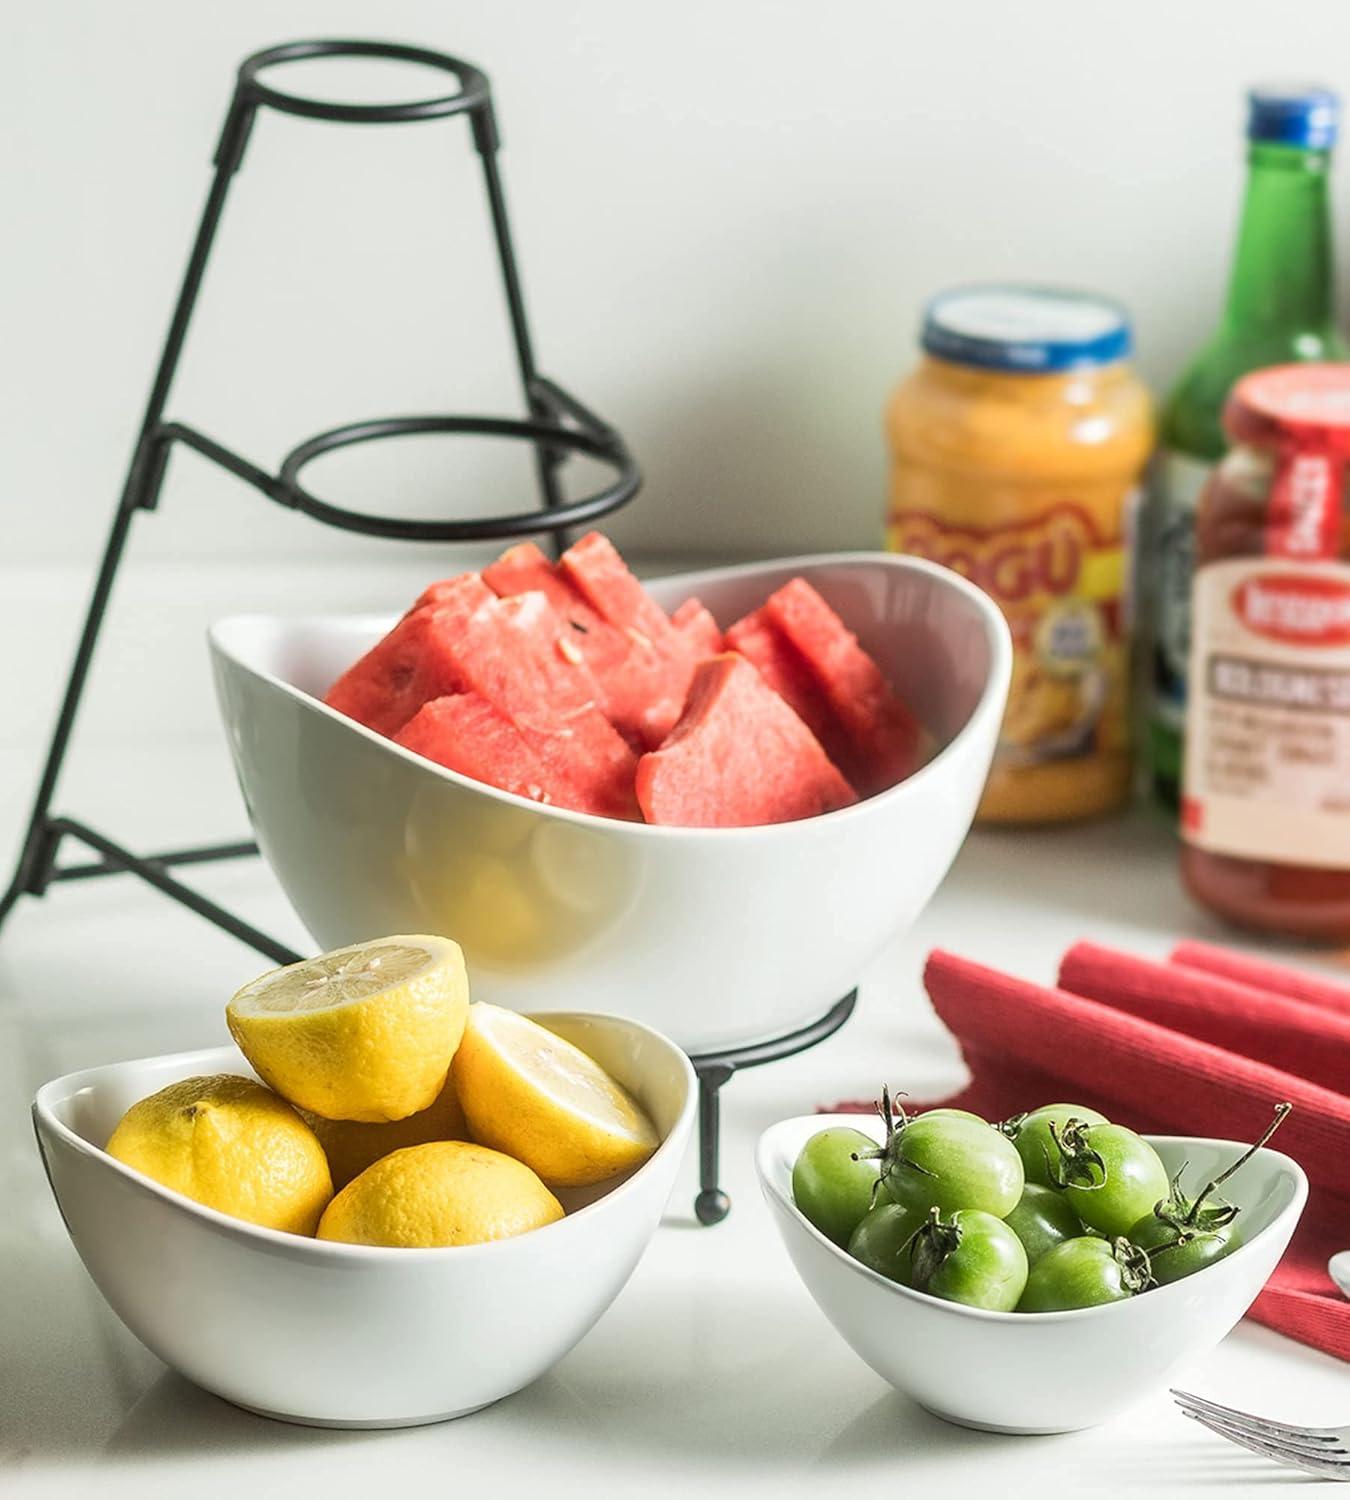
[
  {"x": 231, "y": 1144},
  {"x": 442, "y": 1193},
  {"x": 362, "y": 1033},
  {"x": 352, "y": 1145},
  {"x": 535, "y": 1096}
]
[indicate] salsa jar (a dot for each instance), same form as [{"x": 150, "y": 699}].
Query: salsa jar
[
  {"x": 1266, "y": 779},
  {"x": 1017, "y": 449}
]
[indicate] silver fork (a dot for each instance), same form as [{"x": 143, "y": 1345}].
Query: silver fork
[{"x": 1324, "y": 1451}]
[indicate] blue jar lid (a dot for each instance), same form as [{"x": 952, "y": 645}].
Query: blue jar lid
[
  {"x": 1027, "y": 329},
  {"x": 1293, "y": 116}
]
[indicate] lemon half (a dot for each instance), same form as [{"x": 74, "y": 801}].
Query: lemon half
[
  {"x": 538, "y": 1098},
  {"x": 443, "y": 1193},
  {"x": 231, "y": 1144},
  {"x": 363, "y": 1033}
]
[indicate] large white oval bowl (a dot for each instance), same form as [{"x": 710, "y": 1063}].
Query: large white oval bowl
[
  {"x": 351, "y": 1335},
  {"x": 1038, "y": 1372},
  {"x": 713, "y": 936}
]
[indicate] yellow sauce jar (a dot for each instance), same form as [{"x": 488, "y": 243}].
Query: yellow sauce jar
[{"x": 1017, "y": 450}]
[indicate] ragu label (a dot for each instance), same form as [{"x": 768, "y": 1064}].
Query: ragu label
[
  {"x": 1012, "y": 563},
  {"x": 1293, "y": 607},
  {"x": 1305, "y": 506}
]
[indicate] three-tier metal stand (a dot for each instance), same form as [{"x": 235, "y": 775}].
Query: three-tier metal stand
[{"x": 556, "y": 424}]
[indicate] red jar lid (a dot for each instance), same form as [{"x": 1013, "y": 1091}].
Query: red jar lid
[{"x": 1299, "y": 406}]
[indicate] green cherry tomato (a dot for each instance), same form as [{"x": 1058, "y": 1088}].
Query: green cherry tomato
[
  {"x": 1030, "y": 1133},
  {"x": 1086, "y": 1272},
  {"x": 950, "y": 1162},
  {"x": 972, "y": 1258},
  {"x": 969, "y": 1257},
  {"x": 1188, "y": 1231},
  {"x": 1176, "y": 1252},
  {"x": 882, "y": 1238},
  {"x": 1112, "y": 1176},
  {"x": 1042, "y": 1220},
  {"x": 832, "y": 1189}
]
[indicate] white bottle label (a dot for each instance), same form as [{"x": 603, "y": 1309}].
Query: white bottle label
[{"x": 1268, "y": 731}]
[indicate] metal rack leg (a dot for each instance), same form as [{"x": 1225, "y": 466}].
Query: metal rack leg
[{"x": 712, "y": 1205}]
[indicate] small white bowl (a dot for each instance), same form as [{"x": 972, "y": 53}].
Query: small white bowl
[
  {"x": 716, "y": 937},
  {"x": 341, "y": 1335},
  {"x": 1037, "y": 1372}
]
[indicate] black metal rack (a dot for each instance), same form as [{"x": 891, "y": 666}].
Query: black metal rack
[{"x": 557, "y": 425}]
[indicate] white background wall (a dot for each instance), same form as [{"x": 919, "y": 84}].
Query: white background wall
[{"x": 728, "y": 215}]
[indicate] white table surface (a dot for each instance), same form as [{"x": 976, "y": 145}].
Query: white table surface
[{"x": 712, "y": 1372}]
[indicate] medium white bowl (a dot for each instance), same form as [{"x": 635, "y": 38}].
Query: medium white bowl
[
  {"x": 350, "y": 1335},
  {"x": 713, "y": 936},
  {"x": 1037, "y": 1372}
]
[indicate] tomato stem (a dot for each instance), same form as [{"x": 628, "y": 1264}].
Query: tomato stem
[{"x": 1282, "y": 1112}]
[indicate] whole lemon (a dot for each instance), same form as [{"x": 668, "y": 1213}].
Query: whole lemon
[
  {"x": 442, "y": 1193},
  {"x": 231, "y": 1144},
  {"x": 353, "y": 1145},
  {"x": 362, "y": 1033}
]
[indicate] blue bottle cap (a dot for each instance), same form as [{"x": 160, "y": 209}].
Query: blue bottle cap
[
  {"x": 1026, "y": 329},
  {"x": 1299, "y": 115}
]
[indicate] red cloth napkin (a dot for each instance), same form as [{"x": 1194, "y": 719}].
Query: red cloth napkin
[{"x": 1169, "y": 1048}]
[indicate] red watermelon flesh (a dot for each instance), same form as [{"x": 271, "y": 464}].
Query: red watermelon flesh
[
  {"x": 661, "y": 659},
  {"x": 467, "y": 734},
  {"x": 695, "y": 623},
  {"x": 518, "y": 654},
  {"x": 883, "y": 732},
  {"x": 386, "y": 687},
  {"x": 738, "y": 756},
  {"x": 782, "y": 666}
]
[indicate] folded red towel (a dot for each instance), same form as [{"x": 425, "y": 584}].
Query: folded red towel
[
  {"x": 1149, "y": 1057},
  {"x": 1301, "y": 1038},
  {"x": 1296, "y": 984}
]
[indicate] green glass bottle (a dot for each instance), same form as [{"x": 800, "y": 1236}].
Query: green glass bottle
[{"x": 1281, "y": 308}]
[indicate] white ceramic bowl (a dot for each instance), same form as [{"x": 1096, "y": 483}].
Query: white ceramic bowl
[
  {"x": 350, "y": 1335},
  {"x": 1037, "y": 1372},
  {"x": 713, "y": 936}
]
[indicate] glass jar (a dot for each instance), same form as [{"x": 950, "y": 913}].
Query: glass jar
[
  {"x": 1017, "y": 448},
  {"x": 1266, "y": 782}
]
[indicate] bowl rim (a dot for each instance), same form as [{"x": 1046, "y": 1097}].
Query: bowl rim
[
  {"x": 989, "y": 703},
  {"x": 227, "y": 1058},
  {"x": 782, "y": 1199}
]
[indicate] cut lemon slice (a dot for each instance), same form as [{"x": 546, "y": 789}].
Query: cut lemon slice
[
  {"x": 363, "y": 1033},
  {"x": 538, "y": 1098}
]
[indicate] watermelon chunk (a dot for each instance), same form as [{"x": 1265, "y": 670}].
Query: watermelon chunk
[
  {"x": 696, "y": 624},
  {"x": 782, "y": 666},
  {"x": 467, "y": 734},
  {"x": 884, "y": 733},
  {"x": 738, "y": 756},
  {"x": 415, "y": 662},
  {"x": 639, "y": 683},
  {"x": 805, "y": 652},
  {"x": 518, "y": 655}
]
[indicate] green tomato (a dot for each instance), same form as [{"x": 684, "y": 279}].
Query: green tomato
[
  {"x": 1176, "y": 1251},
  {"x": 830, "y": 1187},
  {"x": 881, "y": 1240},
  {"x": 1042, "y": 1220},
  {"x": 950, "y": 1162},
  {"x": 1086, "y": 1272},
  {"x": 1030, "y": 1133},
  {"x": 1112, "y": 1177},
  {"x": 972, "y": 1258},
  {"x": 1188, "y": 1232}
]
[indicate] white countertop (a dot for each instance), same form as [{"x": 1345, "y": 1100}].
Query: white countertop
[{"x": 713, "y": 1370}]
